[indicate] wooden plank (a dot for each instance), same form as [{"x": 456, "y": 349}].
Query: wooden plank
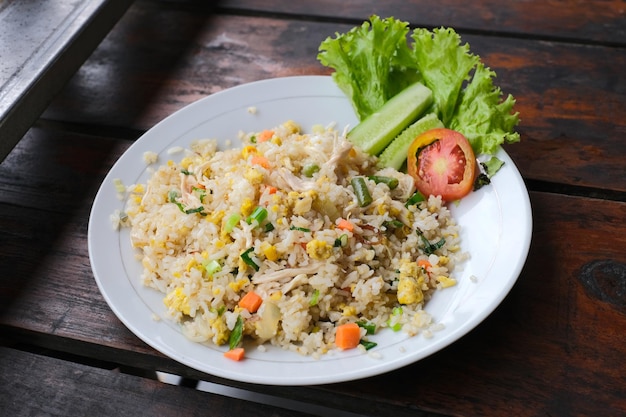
[
  {"x": 595, "y": 20},
  {"x": 572, "y": 98},
  {"x": 33, "y": 68},
  {"x": 41, "y": 385},
  {"x": 549, "y": 329}
]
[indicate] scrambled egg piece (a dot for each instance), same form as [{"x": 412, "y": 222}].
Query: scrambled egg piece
[
  {"x": 292, "y": 127},
  {"x": 220, "y": 328},
  {"x": 247, "y": 151},
  {"x": 270, "y": 251},
  {"x": 247, "y": 206},
  {"x": 177, "y": 300},
  {"x": 319, "y": 249},
  {"x": 446, "y": 281},
  {"x": 254, "y": 176},
  {"x": 411, "y": 283}
]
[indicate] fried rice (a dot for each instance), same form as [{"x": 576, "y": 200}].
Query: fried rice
[{"x": 282, "y": 216}]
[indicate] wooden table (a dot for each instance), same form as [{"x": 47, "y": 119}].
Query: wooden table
[{"x": 557, "y": 344}]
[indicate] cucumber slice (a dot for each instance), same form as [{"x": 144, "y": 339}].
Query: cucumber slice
[
  {"x": 395, "y": 154},
  {"x": 377, "y": 130}
]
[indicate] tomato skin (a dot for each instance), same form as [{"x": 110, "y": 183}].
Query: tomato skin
[{"x": 443, "y": 163}]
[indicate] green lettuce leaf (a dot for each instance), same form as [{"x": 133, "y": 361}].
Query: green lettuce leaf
[
  {"x": 445, "y": 65},
  {"x": 378, "y": 59},
  {"x": 482, "y": 116},
  {"x": 372, "y": 62}
]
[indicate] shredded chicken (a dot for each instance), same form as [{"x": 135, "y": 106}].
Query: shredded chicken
[
  {"x": 287, "y": 180},
  {"x": 341, "y": 149},
  {"x": 284, "y": 274},
  {"x": 299, "y": 279}
]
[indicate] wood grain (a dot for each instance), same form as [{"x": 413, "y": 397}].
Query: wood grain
[
  {"x": 571, "y": 99},
  {"x": 551, "y": 329},
  {"x": 39, "y": 385},
  {"x": 596, "y": 20},
  {"x": 553, "y": 347}
]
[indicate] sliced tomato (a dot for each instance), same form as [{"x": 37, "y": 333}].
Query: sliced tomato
[{"x": 443, "y": 163}]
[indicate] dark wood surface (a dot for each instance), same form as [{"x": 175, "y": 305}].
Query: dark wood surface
[
  {"x": 555, "y": 346},
  {"x": 42, "y": 44}
]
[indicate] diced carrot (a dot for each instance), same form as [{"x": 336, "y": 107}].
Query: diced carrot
[
  {"x": 260, "y": 160},
  {"x": 235, "y": 354},
  {"x": 424, "y": 263},
  {"x": 271, "y": 189},
  {"x": 345, "y": 225},
  {"x": 347, "y": 336},
  {"x": 265, "y": 135},
  {"x": 251, "y": 302}
]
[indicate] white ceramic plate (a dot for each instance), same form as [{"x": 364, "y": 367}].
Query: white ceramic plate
[{"x": 496, "y": 230}]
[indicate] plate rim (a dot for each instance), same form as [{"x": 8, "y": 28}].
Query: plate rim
[{"x": 237, "y": 370}]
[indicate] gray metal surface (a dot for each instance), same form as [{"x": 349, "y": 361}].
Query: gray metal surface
[{"x": 42, "y": 44}]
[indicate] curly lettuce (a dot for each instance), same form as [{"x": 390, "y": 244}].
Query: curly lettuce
[{"x": 378, "y": 59}]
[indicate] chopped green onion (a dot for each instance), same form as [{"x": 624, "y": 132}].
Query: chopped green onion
[
  {"x": 396, "y": 327},
  {"x": 369, "y": 327},
  {"x": 172, "y": 195},
  {"x": 253, "y": 139},
  {"x": 391, "y": 182},
  {"x": 367, "y": 344},
  {"x": 310, "y": 169},
  {"x": 269, "y": 227},
  {"x": 341, "y": 241},
  {"x": 195, "y": 210},
  {"x": 430, "y": 248},
  {"x": 248, "y": 260},
  {"x": 212, "y": 267},
  {"x": 231, "y": 222},
  {"x": 258, "y": 214},
  {"x": 415, "y": 198},
  {"x": 201, "y": 193},
  {"x": 361, "y": 191},
  {"x": 315, "y": 297},
  {"x": 236, "y": 334},
  {"x": 300, "y": 229},
  {"x": 395, "y": 224},
  {"x": 184, "y": 171}
]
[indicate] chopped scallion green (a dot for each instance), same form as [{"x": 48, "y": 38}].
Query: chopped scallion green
[
  {"x": 172, "y": 197},
  {"x": 258, "y": 214},
  {"x": 415, "y": 198},
  {"x": 248, "y": 260},
  {"x": 394, "y": 224},
  {"x": 341, "y": 241},
  {"x": 195, "y": 210},
  {"x": 212, "y": 267},
  {"x": 430, "y": 248},
  {"x": 310, "y": 169},
  {"x": 315, "y": 297},
  {"x": 201, "y": 193},
  {"x": 369, "y": 327},
  {"x": 301, "y": 229},
  {"x": 367, "y": 344},
  {"x": 236, "y": 334},
  {"x": 231, "y": 222}
]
